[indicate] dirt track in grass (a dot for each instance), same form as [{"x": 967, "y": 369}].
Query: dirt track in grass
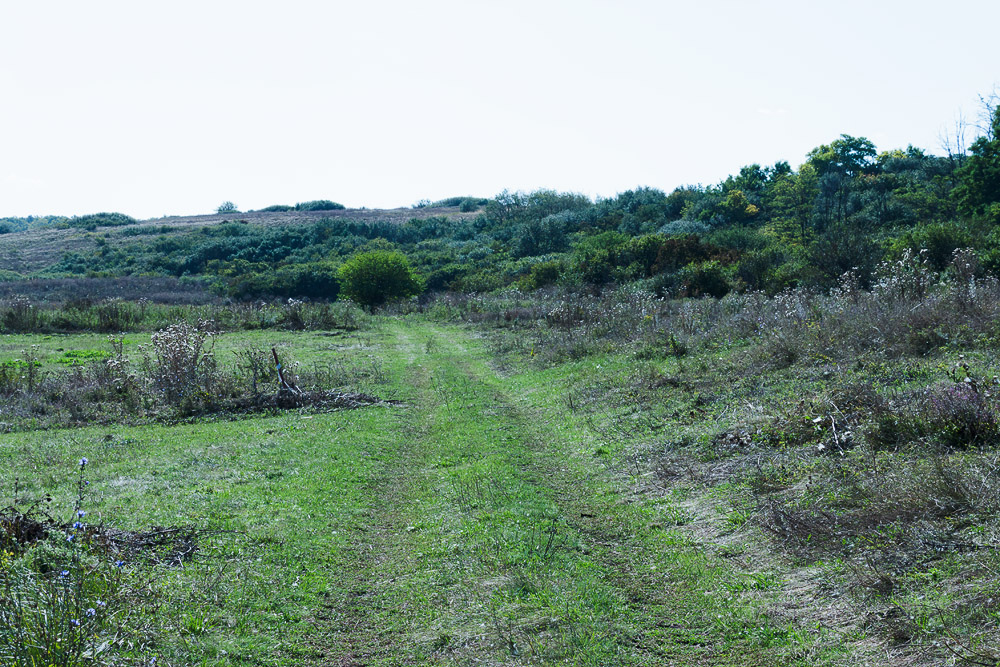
[{"x": 496, "y": 539}]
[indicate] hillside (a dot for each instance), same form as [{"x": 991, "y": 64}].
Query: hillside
[
  {"x": 37, "y": 249},
  {"x": 847, "y": 208}
]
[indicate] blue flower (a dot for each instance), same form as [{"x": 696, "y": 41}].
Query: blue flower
[
  {"x": 83, "y": 461},
  {"x": 102, "y": 604},
  {"x": 77, "y": 525},
  {"x": 75, "y": 623},
  {"x": 119, "y": 563},
  {"x": 91, "y": 612},
  {"x": 81, "y": 513},
  {"x": 64, "y": 573},
  {"x": 69, "y": 538}
]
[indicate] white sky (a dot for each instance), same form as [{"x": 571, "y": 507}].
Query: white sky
[{"x": 171, "y": 108}]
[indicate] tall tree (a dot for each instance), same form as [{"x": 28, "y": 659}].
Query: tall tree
[
  {"x": 848, "y": 156},
  {"x": 791, "y": 198},
  {"x": 978, "y": 190},
  {"x": 839, "y": 165}
]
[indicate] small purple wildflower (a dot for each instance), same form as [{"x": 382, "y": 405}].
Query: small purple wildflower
[
  {"x": 91, "y": 612},
  {"x": 119, "y": 563},
  {"x": 81, "y": 513},
  {"x": 69, "y": 538},
  {"x": 64, "y": 573},
  {"x": 75, "y": 623},
  {"x": 77, "y": 525},
  {"x": 102, "y": 604},
  {"x": 83, "y": 461}
]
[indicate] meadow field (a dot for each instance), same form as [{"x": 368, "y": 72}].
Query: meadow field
[{"x": 511, "y": 479}]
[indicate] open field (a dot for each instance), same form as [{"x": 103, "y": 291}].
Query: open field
[
  {"x": 459, "y": 525},
  {"x": 613, "y": 509}
]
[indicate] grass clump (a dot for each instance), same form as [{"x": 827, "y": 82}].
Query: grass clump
[{"x": 180, "y": 363}]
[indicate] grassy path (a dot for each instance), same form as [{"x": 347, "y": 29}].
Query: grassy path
[
  {"x": 473, "y": 524},
  {"x": 499, "y": 539}
]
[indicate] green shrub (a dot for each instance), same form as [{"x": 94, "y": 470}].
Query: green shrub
[
  {"x": 117, "y": 315},
  {"x": 93, "y": 221},
  {"x": 444, "y": 278},
  {"x": 706, "y": 279},
  {"x": 464, "y": 204},
  {"x": 227, "y": 207},
  {"x": 21, "y": 316},
  {"x": 315, "y": 280},
  {"x": 738, "y": 238},
  {"x": 938, "y": 240},
  {"x": 319, "y": 205},
  {"x": 542, "y": 275},
  {"x": 375, "y": 277},
  {"x": 756, "y": 270}
]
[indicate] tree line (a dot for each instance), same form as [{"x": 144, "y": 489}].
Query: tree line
[{"x": 847, "y": 207}]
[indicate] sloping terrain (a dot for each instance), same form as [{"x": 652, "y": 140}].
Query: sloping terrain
[{"x": 35, "y": 250}]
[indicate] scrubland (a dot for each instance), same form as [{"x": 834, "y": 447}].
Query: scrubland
[{"x": 556, "y": 477}]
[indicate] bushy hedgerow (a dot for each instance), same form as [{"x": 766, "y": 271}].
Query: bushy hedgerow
[
  {"x": 315, "y": 280},
  {"x": 444, "y": 278},
  {"x": 95, "y": 220},
  {"x": 319, "y": 205},
  {"x": 612, "y": 256},
  {"x": 846, "y": 208},
  {"x": 464, "y": 204}
]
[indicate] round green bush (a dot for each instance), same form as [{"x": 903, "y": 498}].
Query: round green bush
[{"x": 375, "y": 277}]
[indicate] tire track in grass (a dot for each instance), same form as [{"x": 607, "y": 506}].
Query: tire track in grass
[
  {"x": 600, "y": 545},
  {"x": 680, "y": 603},
  {"x": 489, "y": 544},
  {"x": 391, "y": 609},
  {"x": 356, "y": 627},
  {"x": 448, "y": 574},
  {"x": 565, "y": 606}
]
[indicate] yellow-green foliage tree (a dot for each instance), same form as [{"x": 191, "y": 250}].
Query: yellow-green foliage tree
[{"x": 375, "y": 277}]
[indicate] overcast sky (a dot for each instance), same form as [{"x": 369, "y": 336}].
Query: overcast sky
[{"x": 171, "y": 108}]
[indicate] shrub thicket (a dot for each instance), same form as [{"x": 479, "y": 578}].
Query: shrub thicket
[{"x": 319, "y": 205}]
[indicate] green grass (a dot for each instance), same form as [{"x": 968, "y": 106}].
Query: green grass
[
  {"x": 513, "y": 517},
  {"x": 306, "y": 346}
]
